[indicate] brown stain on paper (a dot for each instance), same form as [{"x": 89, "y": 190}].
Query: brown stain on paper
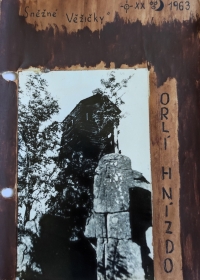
[
  {"x": 167, "y": 158},
  {"x": 100, "y": 66},
  {"x": 95, "y": 14}
]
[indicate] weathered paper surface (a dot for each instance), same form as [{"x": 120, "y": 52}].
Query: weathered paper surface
[
  {"x": 75, "y": 15},
  {"x": 72, "y": 16},
  {"x": 165, "y": 180}
]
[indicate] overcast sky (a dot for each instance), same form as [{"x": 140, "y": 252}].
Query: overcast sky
[{"x": 69, "y": 87}]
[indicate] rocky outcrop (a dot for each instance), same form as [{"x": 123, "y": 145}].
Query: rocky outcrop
[
  {"x": 114, "y": 177},
  {"x": 118, "y": 256}
]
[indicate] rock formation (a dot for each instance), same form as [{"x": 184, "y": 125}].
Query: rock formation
[{"x": 111, "y": 228}]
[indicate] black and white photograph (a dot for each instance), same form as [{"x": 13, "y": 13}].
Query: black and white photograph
[{"x": 84, "y": 175}]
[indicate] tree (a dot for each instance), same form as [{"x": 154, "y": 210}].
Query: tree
[
  {"x": 37, "y": 154},
  {"x": 113, "y": 91}
]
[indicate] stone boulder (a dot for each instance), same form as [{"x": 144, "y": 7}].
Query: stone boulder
[
  {"x": 118, "y": 225},
  {"x": 118, "y": 256},
  {"x": 96, "y": 226},
  {"x": 112, "y": 181}
]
